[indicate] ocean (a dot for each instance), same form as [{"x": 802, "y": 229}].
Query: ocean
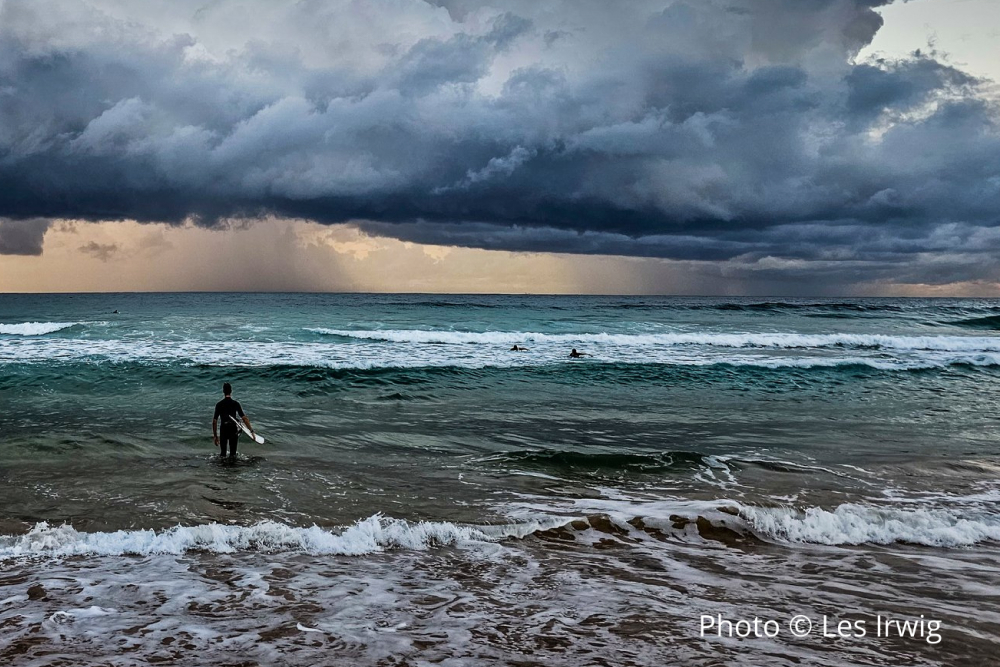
[{"x": 717, "y": 470}]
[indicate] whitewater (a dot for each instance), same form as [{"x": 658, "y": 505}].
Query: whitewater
[
  {"x": 436, "y": 348},
  {"x": 428, "y": 496}
]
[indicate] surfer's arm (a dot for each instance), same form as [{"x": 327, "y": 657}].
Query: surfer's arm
[
  {"x": 215, "y": 430},
  {"x": 246, "y": 420}
]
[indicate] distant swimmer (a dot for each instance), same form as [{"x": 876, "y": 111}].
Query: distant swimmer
[
  {"x": 228, "y": 411},
  {"x": 577, "y": 355},
  {"x": 115, "y": 312},
  {"x": 518, "y": 348}
]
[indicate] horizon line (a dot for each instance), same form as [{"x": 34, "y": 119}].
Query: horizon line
[{"x": 539, "y": 294}]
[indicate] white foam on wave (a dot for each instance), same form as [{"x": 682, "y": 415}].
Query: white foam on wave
[
  {"x": 728, "y": 340},
  {"x": 259, "y": 354},
  {"x": 374, "y": 534},
  {"x": 34, "y": 328},
  {"x": 846, "y": 524},
  {"x": 865, "y": 524},
  {"x": 375, "y": 354}
]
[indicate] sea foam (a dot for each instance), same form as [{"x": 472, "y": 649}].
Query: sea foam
[
  {"x": 847, "y": 524},
  {"x": 374, "y": 534},
  {"x": 843, "y": 525},
  {"x": 727, "y": 340},
  {"x": 365, "y": 357},
  {"x": 852, "y": 524},
  {"x": 34, "y": 328},
  {"x": 377, "y": 349}
]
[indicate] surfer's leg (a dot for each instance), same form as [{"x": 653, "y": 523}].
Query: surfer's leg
[{"x": 225, "y": 440}]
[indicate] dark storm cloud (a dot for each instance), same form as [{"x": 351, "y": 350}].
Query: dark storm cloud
[
  {"x": 22, "y": 237},
  {"x": 716, "y": 129}
]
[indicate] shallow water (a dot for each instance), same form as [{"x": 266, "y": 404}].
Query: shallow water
[{"x": 428, "y": 496}]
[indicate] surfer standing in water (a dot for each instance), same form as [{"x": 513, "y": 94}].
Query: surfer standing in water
[{"x": 228, "y": 411}]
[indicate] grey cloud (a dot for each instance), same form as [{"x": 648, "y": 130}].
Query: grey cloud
[
  {"x": 432, "y": 63},
  {"x": 552, "y": 36},
  {"x": 873, "y": 89},
  {"x": 101, "y": 251},
  {"x": 497, "y": 167},
  {"x": 708, "y": 130},
  {"x": 506, "y": 29},
  {"x": 22, "y": 237}
]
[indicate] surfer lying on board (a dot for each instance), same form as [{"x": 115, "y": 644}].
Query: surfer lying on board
[
  {"x": 518, "y": 348},
  {"x": 577, "y": 355},
  {"x": 227, "y": 410}
]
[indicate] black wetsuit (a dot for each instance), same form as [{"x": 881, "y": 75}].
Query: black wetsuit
[{"x": 229, "y": 432}]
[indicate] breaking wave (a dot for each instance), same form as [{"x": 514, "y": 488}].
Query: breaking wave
[
  {"x": 845, "y": 525},
  {"x": 34, "y": 328},
  {"x": 321, "y": 357},
  {"x": 863, "y": 524},
  {"x": 726, "y": 340},
  {"x": 374, "y": 534}
]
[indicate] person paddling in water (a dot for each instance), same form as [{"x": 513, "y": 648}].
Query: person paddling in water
[
  {"x": 227, "y": 433},
  {"x": 518, "y": 348},
  {"x": 577, "y": 355}
]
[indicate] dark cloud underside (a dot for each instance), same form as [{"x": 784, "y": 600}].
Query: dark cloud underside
[
  {"x": 22, "y": 237},
  {"x": 690, "y": 130}
]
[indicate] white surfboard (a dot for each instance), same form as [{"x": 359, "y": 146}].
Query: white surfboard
[{"x": 259, "y": 439}]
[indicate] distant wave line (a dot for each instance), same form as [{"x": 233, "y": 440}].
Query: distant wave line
[
  {"x": 728, "y": 340},
  {"x": 335, "y": 357}
]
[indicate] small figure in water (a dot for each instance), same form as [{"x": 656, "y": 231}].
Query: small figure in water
[
  {"x": 577, "y": 355},
  {"x": 227, "y": 410},
  {"x": 115, "y": 312},
  {"x": 518, "y": 348}
]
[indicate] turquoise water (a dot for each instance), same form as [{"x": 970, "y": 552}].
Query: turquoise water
[{"x": 735, "y": 456}]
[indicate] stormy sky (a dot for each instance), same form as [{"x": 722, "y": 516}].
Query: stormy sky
[{"x": 758, "y": 135}]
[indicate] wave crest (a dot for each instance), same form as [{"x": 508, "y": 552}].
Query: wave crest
[
  {"x": 374, "y": 534},
  {"x": 989, "y": 323},
  {"x": 861, "y": 524},
  {"x": 844, "y": 525},
  {"x": 725, "y": 340},
  {"x": 847, "y": 524},
  {"x": 34, "y": 328}
]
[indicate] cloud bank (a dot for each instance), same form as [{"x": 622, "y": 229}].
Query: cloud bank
[{"x": 706, "y": 130}]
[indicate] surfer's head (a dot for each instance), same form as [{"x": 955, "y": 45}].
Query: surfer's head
[{"x": 227, "y": 389}]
